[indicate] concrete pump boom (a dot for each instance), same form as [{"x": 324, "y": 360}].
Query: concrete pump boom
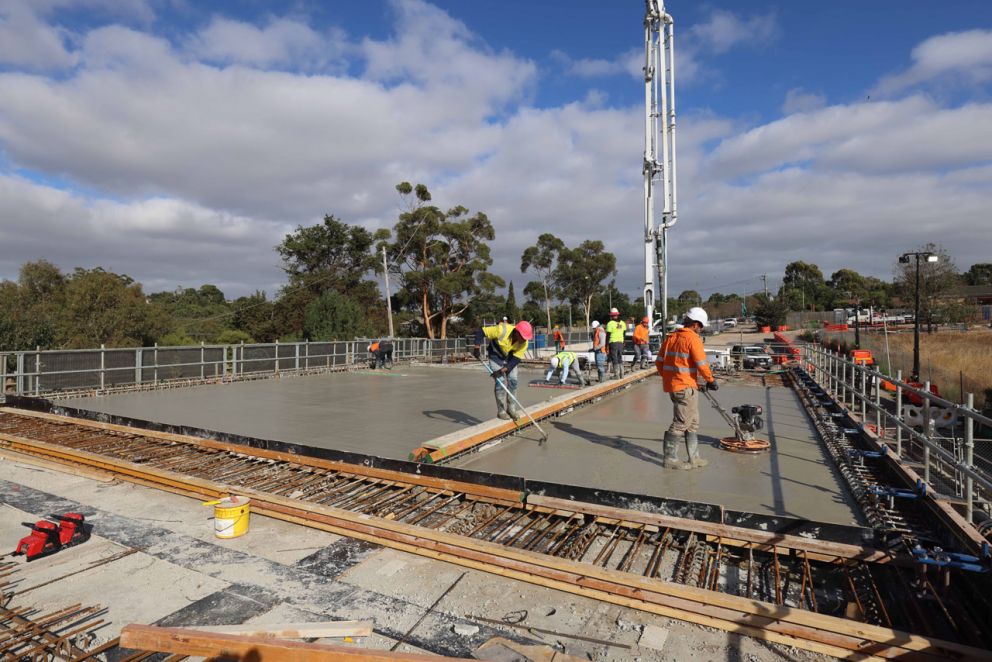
[{"x": 659, "y": 126}]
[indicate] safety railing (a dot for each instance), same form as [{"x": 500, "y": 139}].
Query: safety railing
[
  {"x": 931, "y": 434},
  {"x": 42, "y": 372}
]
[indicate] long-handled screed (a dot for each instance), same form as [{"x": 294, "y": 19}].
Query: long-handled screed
[{"x": 501, "y": 382}]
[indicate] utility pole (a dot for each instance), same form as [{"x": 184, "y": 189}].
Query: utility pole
[
  {"x": 389, "y": 303},
  {"x": 764, "y": 282}
]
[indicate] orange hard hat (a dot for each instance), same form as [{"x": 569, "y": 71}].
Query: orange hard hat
[{"x": 525, "y": 330}]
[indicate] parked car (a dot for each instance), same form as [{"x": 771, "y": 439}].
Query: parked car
[
  {"x": 730, "y": 323},
  {"x": 751, "y": 356}
]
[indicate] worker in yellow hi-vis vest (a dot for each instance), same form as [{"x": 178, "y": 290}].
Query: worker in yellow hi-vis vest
[{"x": 615, "y": 330}]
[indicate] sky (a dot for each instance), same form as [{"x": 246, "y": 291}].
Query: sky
[{"x": 178, "y": 142}]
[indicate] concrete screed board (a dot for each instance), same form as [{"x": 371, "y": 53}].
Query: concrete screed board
[{"x": 613, "y": 444}]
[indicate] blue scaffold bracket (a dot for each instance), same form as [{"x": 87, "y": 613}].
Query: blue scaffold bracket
[
  {"x": 939, "y": 558},
  {"x": 899, "y": 492},
  {"x": 857, "y": 452}
]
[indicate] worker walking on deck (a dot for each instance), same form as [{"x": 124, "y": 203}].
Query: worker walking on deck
[
  {"x": 562, "y": 361},
  {"x": 599, "y": 349},
  {"x": 558, "y": 339},
  {"x": 681, "y": 361},
  {"x": 615, "y": 330},
  {"x": 642, "y": 350},
  {"x": 507, "y": 346}
]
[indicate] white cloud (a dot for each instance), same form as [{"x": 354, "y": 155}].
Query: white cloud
[
  {"x": 160, "y": 241},
  {"x": 189, "y": 171},
  {"x": 630, "y": 62},
  {"x": 280, "y": 43},
  {"x": 952, "y": 57},
  {"x": 798, "y": 100},
  {"x": 26, "y": 41},
  {"x": 724, "y": 30}
]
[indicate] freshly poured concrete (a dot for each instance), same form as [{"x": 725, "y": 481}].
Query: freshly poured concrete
[
  {"x": 384, "y": 413},
  {"x": 612, "y": 444},
  {"x": 616, "y": 444}
]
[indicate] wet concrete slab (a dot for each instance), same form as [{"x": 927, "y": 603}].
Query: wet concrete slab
[
  {"x": 384, "y": 413},
  {"x": 616, "y": 444}
]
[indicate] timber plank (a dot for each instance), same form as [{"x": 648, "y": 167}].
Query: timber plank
[
  {"x": 191, "y": 642},
  {"x": 293, "y": 630}
]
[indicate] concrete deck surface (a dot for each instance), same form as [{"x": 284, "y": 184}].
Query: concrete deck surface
[
  {"x": 612, "y": 444},
  {"x": 387, "y": 413},
  {"x": 616, "y": 444},
  {"x": 183, "y": 576}
]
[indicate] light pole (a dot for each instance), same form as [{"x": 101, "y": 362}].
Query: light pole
[{"x": 904, "y": 259}]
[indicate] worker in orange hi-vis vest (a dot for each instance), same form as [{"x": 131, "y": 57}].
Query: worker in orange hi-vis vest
[
  {"x": 681, "y": 361},
  {"x": 642, "y": 349}
]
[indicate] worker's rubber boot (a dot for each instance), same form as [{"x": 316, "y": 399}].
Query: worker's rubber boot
[
  {"x": 692, "y": 447},
  {"x": 601, "y": 374},
  {"x": 672, "y": 460},
  {"x": 501, "y": 412},
  {"x": 516, "y": 413}
]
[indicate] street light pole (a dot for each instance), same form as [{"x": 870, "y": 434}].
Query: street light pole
[
  {"x": 904, "y": 259},
  {"x": 916, "y": 324}
]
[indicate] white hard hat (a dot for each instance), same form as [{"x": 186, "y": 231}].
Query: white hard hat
[
  {"x": 697, "y": 314},
  {"x": 614, "y": 311},
  {"x": 554, "y": 361},
  {"x": 595, "y": 323}
]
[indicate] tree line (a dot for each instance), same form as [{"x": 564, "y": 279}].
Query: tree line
[
  {"x": 805, "y": 288},
  {"x": 438, "y": 261}
]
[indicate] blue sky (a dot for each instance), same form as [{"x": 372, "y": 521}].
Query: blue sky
[{"x": 178, "y": 144}]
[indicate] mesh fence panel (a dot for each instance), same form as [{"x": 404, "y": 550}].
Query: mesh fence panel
[
  {"x": 182, "y": 363},
  {"x": 257, "y": 358},
  {"x": 78, "y": 370}
]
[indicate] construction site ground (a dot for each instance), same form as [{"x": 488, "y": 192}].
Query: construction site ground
[{"x": 181, "y": 575}]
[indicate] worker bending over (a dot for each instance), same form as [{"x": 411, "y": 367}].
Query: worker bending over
[
  {"x": 615, "y": 330},
  {"x": 380, "y": 352},
  {"x": 563, "y": 360},
  {"x": 507, "y": 346},
  {"x": 642, "y": 349},
  {"x": 681, "y": 361},
  {"x": 599, "y": 349}
]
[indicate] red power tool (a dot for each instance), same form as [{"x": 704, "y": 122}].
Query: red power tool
[{"x": 48, "y": 537}]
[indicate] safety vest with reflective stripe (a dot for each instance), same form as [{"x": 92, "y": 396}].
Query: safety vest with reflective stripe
[
  {"x": 565, "y": 356},
  {"x": 500, "y": 343},
  {"x": 682, "y": 360},
  {"x": 599, "y": 339},
  {"x": 615, "y": 329}
]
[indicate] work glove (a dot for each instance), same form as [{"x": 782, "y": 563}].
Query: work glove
[
  {"x": 712, "y": 386},
  {"x": 476, "y": 351},
  {"x": 500, "y": 373}
]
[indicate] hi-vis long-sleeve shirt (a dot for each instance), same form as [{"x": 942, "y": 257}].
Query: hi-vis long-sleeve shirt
[{"x": 682, "y": 360}]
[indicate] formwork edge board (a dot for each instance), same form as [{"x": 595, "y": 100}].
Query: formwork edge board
[{"x": 433, "y": 476}]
